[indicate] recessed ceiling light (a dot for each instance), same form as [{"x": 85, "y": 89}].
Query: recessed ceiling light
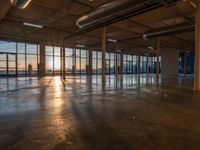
[{"x": 32, "y": 25}]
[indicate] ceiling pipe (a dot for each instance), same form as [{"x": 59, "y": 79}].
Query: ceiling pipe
[
  {"x": 21, "y": 4},
  {"x": 170, "y": 30},
  {"x": 117, "y": 8},
  {"x": 191, "y": 2}
]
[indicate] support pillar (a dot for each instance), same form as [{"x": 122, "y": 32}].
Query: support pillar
[
  {"x": 42, "y": 68},
  {"x": 63, "y": 62},
  {"x": 74, "y": 62},
  {"x": 197, "y": 47},
  {"x": 104, "y": 55},
  {"x": 90, "y": 63},
  {"x": 16, "y": 59}
]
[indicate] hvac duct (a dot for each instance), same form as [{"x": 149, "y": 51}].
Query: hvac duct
[
  {"x": 170, "y": 30},
  {"x": 117, "y": 8},
  {"x": 21, "y": 4}
]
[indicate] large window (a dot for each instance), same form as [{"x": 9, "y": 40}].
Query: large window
[
  {"x": 69, "y": 61},
  {"x": 57, "y": 60},
  {"x": 97, "y": 62},
  {"x": 143, "y": 64},
  {"x": 9, "y": 47},
  {"x": 84, "y": 64},
  {"x": 32, "y": 57},
  {"x": 112, "y": 63},
  {"x": 49, "y": 60},
  {"x": 152, "y": 64},
  {"x": 52, "y": 60},
  {"x": 78, "y": 61},
  {"x": 21, "y": 58},
  {"x": 130, "y": 64},
  {"x": 189, "y": 58}
]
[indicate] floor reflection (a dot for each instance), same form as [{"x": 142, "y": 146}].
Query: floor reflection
[{"x": 82, "y": 113}]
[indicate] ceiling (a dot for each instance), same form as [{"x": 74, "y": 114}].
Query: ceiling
[{"x": 59, "y": 19}]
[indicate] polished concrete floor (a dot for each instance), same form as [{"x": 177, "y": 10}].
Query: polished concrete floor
[{"x": 129, "y": 113}]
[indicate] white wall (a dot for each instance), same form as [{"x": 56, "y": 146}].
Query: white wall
[{"x": 170, "y": 62}]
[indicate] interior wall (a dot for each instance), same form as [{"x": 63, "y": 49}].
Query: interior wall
[{"x": 170, "y": 62}]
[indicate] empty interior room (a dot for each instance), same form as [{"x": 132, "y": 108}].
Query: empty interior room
[{"x": 100, "y": 74}]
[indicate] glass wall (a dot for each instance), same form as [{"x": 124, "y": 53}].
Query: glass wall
[
  {"x": 69, "y": 61},
  {"x": 152, "y": 64},
  {"x": 189, "y": 63},
  {"x": 49, "y": 60},
  {"x": 143, "y": 64},
  {"x": 21, "y": 58},
  {"x": 84, "y": 62},
  {"x": 113, "y": 63},
  {"x": 130, "y": 64},
  {"x": 78, "y": 61},
  {"x": 52, "y": 58},
  {"x": 97, "y": 62},
  {"x": 32, "y": 58},
  {"x": 57, "y": 60}
]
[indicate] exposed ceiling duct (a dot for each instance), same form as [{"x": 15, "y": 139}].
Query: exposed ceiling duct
[
  {"x": 118, "y": 8},
  {"x": 170, "y": 30},
  {"x": 21, "y": 4}
]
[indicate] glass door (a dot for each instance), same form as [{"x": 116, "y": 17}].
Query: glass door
[{"x": 7, "y": 64}]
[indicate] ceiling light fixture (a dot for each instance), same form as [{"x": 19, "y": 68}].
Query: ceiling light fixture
[
  {"x": 32, "y": 25},
  {"x": 112, "y": 40},
  {"x": 151, "y": 47},
  {"x": 21, "y": 4},
  {"x": 80, "y": 45}
]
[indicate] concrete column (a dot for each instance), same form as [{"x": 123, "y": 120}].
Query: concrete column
[
  {"x": 42, "y": 67},
  {"x": 53, "y": 60},
  {"x": 104, "y": 55},
  {"x": 63, "y": 62},
  {"x": 90, "y": 63},
  {"x": 170, "y": 62},
  {"x": 158, "y": 55},
  {"x": 197, "y": 48},
  {"x": 74, "y": 61},
  {"x": 16, "y": 60}
]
